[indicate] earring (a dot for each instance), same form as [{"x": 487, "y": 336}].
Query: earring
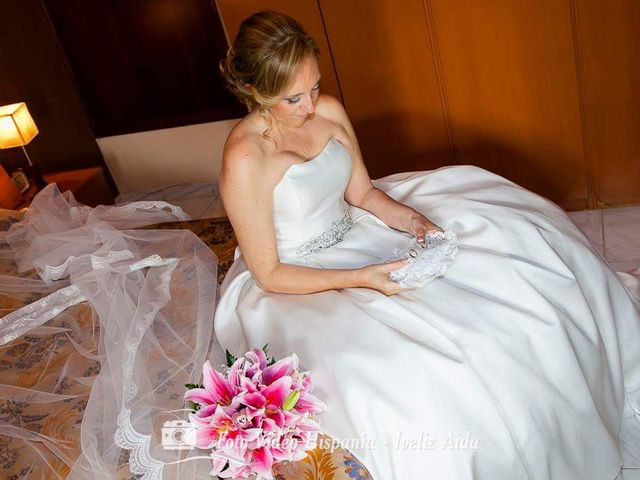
[{"x": 263, "y": 111}]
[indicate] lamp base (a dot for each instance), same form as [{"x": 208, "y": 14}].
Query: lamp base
[
  {"x": 9, "y": 194},
  {"x": 35, "y": 176}
]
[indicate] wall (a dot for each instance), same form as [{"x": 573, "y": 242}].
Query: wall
[
  {"x": 154, "y": 159},
  {"x": 34, "y": 71},
  {"x": 543, "y": 92},
  {"x": 145, "y": 65}
]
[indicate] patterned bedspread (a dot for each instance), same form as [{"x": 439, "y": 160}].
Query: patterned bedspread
[{"x": 39, "y": 433}]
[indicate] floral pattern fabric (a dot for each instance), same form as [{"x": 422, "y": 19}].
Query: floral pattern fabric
[{"x": 59, "y": 361}]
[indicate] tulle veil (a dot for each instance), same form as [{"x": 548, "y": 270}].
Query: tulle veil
[
  {"x": 134, "y": 309},
  {"x": 150, "y": 295}
]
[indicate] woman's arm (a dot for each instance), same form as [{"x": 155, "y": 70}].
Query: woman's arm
[
  {"x": 246, "y": 188},
  {"x": 360, "y": 191}
]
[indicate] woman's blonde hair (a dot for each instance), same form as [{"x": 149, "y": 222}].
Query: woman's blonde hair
[{"x": 263, "y": 59}]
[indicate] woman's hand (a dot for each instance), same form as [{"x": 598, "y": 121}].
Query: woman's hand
[
  {"x": 376, "y": 276},
  {"x": 418, "y": 225}
]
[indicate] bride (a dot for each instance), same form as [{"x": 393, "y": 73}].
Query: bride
[{"x": 522, "y": 362}]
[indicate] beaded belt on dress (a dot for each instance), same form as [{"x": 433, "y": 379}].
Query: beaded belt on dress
[{"x": 334, "y": 234}]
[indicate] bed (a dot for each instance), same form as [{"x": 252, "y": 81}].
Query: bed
[{"x": 47, "y": 374}]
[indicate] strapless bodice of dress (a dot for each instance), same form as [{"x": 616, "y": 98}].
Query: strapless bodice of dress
[{"x": 309, "y": 209}]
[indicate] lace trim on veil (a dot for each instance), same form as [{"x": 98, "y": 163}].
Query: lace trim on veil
[
  {"x": 38, "y": 313},
  {"x": 155, "y": 310}
]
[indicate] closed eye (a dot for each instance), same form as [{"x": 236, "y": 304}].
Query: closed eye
[{"x": 297, "y": 99}]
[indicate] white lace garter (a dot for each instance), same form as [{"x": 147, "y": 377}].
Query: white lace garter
[{"x": 427, "y": 260}]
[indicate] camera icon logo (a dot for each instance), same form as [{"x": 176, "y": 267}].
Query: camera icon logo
[{"x": 178, "y": 435}]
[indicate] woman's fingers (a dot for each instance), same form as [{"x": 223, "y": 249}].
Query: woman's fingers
[
  {"x": 396, "y": 264},
  {"x": 422, "y": 232}
]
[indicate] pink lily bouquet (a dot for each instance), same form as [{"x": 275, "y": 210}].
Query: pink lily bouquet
[{"x": 256, "y": 413}]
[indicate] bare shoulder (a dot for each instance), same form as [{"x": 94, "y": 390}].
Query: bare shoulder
[
  {"x": 330, "y": 107},
  {"x": 250, "y": 168},
  {"x": 243, "y": 147}
]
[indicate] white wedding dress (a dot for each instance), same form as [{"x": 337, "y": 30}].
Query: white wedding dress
[{"x": 521, "y": 362}]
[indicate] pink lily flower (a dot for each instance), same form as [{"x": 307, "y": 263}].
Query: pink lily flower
[
  {"x": 208, "y": 410},
  {"x": 292, "y": 448},
  {"x": 310, "y": 403},
  {"x": 269, "y": 425},
  {"x": 307, "y": 424},
  {"x": 279, "y": 369},
  {"x": 262, "y": 462},
  {"x": 217, "y": 389},
  {"x": 291, "y": 418},
  {"x": 270, "y": 399},
  {"x": 218, "y": 464},
  {"x": 235, "y": 373},
  {"x": 248, "y": 385},
  {"x": 256, "y": 465},
  {"x": 274, "y": 395},
  {"x": 219, "y": 427},
  {"x": 254, "y": 400},
  {"x": 301, "y": 381},
  {"x": 254, "y": 415},
  {"x": 257, "y": 356}
]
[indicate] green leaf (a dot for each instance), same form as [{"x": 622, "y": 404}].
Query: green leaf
[
  {"x": 230, "y": 358},
  {"x": 193, "y": 385},
  {"x": 265, "y": 348},
  {"x": 193, "y": 406},
  {"x": 271, "y": 362}
]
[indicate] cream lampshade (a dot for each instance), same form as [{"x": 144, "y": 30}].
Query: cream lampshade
[{"x": 17, "y": 129}]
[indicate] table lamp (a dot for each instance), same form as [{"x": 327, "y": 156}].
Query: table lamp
[{"x": 17, "y": 129}]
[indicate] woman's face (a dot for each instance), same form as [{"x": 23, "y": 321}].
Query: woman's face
[{"x": 298, "y": 101}]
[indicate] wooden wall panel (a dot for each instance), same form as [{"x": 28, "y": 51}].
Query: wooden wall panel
[
  {"x": 385, "y": 66},
  {"x": 610, "y": 50},
  {"x": 306, "y": 12},
  {"x": 510, "y": 79},
  {"x": 543, "y": 92}
]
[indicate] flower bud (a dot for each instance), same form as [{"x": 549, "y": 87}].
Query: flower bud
[{"x": 291, "y": 400}]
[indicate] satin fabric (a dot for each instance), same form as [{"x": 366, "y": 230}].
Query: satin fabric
[{"x": 522, "y": 362}]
